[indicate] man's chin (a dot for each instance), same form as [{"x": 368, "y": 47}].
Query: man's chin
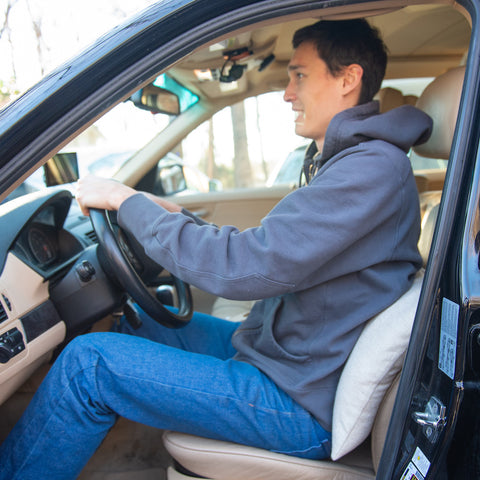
[
  {"x": 298, "y": 127},
  {"x": 300, "y": 130}
]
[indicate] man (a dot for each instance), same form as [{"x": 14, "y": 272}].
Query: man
[{"x": 328, "y": 257}]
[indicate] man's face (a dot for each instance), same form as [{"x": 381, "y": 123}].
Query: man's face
[{"x": 315, "y": 94}]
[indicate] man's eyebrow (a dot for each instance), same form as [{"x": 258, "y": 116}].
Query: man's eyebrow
[{"x": 291, "y": 68}]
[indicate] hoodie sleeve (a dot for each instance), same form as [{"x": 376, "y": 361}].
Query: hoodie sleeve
[{"x": 315, "y": 233}]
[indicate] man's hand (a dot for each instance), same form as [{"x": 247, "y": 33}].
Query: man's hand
[
  {"x": 107, "y": 194},
  {"x": 103, "y": 193}
]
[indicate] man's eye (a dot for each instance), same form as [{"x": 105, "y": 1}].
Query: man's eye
[{"x": 300, "y": 75}]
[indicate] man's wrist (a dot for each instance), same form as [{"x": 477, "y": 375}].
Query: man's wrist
[{"x": 120, "y": 195}]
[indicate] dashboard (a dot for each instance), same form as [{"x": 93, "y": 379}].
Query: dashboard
[{"x": 52, "y": 283}]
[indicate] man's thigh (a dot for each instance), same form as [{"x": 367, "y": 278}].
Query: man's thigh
[
  {"x": 173, "y": 389},
  {"x": 203, "y": 334}
]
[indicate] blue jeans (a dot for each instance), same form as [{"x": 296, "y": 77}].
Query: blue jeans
[{"x": 183, "y": 380}]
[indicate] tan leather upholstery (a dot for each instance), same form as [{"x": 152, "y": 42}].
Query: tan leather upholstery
[
  {"x": 429, "y": 205},
  {"x": 390, "y": 98},
  {"x": 380, "y": 427},
  {"x": 441, "y": 100},
  {"x": 229, "y": 461}
]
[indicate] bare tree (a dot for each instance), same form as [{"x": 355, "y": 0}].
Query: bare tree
[
  {"x": 242, "y": 167},
  {"x": 5, "y": 27},
  {"x": 6, "y": 30},
  {"x": 37, "y": 30}
]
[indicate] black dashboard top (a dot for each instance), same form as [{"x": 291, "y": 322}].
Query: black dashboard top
[{"x": 51, "y": 205}]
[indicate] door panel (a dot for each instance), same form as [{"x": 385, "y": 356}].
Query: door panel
[{"x": 242, "y": 208}]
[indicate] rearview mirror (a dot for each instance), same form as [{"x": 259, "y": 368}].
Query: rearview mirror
[{"x": 156, "y": 100}]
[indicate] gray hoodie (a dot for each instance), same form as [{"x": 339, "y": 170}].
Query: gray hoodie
[{"x": 328, "y": 257}]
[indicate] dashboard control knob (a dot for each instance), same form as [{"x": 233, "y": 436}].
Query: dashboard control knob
[
  {"x": 85, "y": 271},
  {"x": 11, "y": 344}
]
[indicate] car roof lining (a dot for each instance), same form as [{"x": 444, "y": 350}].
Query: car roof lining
[{"x": 423, "y": 40}]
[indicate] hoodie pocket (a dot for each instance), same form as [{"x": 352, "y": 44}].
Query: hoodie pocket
[{"x": 260, "y": 333}]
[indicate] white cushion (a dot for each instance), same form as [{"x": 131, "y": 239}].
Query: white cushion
[
  {"x": 370, "y": 369},
  {"x": 233, "y": 310}
]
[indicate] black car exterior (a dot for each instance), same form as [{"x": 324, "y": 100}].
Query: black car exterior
[{"x": 38, "y": 123}]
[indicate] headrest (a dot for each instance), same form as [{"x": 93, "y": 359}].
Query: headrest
[
  {"x": 441, "y": 100},
  {"x": 389, "y": 98}
]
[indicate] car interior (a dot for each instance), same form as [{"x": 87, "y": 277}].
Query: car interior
[{"x": 424, "y": 40}]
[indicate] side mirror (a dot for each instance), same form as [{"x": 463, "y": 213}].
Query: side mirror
[
  {"x": 156, "y": 100},
  {"x": 215, "y": 185},
  {"x": 172, "y": 179},
  {"x": 61, "y": 168}
]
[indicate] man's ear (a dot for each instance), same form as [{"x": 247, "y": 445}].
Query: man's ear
[{"x": 352, "y": 79}]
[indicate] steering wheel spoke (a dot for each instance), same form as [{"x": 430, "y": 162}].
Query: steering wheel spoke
[{"x": 129, "y": 271}]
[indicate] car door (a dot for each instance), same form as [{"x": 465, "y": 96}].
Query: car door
[
  {"x": 243, "y": 208},
  {"x": 434, "y": 427}
]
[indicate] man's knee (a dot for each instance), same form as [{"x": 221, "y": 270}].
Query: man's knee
[
  {"x": 86, "y": 351},
  {"x": 78, "y": 370}
]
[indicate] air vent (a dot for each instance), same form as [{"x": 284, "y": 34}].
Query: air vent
[
  {"x": 3, "y": 314},
  {"x": 92, "y": 236},
  {"x": 7, "y": 302}
]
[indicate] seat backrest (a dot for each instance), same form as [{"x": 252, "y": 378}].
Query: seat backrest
[
  {"x": 440, "y": 100},
  {"x": 382, "y": 420},
  {"x": 429, "y": 205}
]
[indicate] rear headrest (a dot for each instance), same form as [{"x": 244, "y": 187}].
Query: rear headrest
[
  {"x": 390, "y": 98},
  {"x": 441, "y": 100}
]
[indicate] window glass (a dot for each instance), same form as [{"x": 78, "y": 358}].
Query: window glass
[
  {"x": 109, "y": 142},
  {"x": 244, "y": 145}
]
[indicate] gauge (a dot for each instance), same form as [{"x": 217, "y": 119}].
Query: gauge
[{"x": 41, "y": 246}]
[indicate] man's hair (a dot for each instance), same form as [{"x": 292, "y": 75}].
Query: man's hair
[{"x": 340, "y": 43}]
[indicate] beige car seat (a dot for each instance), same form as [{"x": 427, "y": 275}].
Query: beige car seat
[{"x": 368, "y": 384}]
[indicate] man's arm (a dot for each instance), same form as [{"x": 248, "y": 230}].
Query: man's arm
[{"x": 103, "y": 193}]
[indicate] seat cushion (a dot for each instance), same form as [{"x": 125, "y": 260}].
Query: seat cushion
[
  {"x": 370, "y": 369},
  {"x": 219, "y": 460}
]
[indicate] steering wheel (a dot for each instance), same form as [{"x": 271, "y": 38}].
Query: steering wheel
[{"x": 125, "y": 265}]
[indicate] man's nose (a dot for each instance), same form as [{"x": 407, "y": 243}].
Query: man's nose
[{"x": 289, "y": 94}]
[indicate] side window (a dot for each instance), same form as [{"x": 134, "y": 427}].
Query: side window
[{"x": 246, "y": 145}]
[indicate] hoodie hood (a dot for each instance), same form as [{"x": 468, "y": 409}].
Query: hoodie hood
[{"x": 363, "y": 123}]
